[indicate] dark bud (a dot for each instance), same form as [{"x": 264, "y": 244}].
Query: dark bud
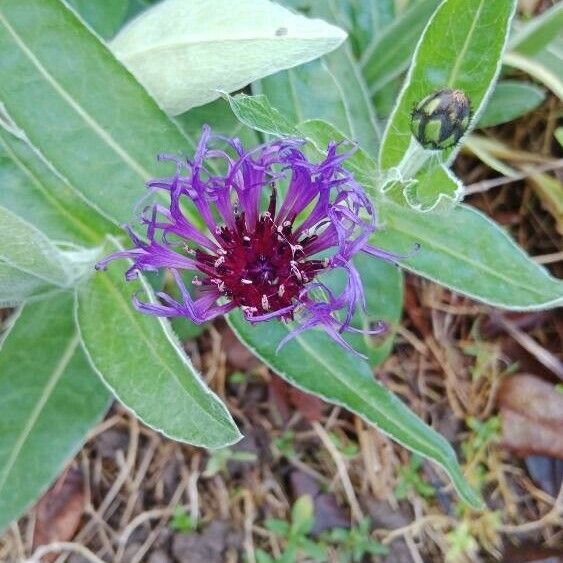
[{"x": 440, "y": 120}]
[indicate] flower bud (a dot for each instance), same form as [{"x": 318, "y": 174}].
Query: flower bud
[{"x": 440, "y": 120}]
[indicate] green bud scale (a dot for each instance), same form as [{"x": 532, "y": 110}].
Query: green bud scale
[{"x": 440, "y": 120}]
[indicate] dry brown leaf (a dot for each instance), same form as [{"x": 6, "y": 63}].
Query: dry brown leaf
[
  {"x": 532, "y": 416},
  {"x": 60, "y": 511}
]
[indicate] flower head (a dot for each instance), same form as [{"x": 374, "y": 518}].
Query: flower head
[
  {"x": 441, "y": 119},
  {"x": 274, "y": 224}
]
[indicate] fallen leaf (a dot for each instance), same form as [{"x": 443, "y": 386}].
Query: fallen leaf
[
  {"x": 60, "y": 510},
  {"x": 532, "y": 416},
  {"x": 238, "y": 355},
  {"x": 285, "y": 396}
]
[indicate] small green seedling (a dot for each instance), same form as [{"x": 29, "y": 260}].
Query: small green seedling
[
  {"x": 285, "y": 444},
  {"x": 354, "y": 544},
  {"x": 348, "y": 449},
  {"x": 296, "y": 535},
  {"x": 411, "y": 480},
  {"x": 183, "y": 522}
]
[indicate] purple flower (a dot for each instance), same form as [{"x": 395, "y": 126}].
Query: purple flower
[{"x": 260, "y": 252}]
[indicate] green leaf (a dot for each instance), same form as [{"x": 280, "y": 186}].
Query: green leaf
[
  {"x": 462, "y": 36},
  {"x": 321, "y": 133},
  {"x": 104, "y": 16},
  {"x": 532, "y": 37},
  {"x": 316, "y": 93},
  {"x": 468, "y": 253},
  {"x": 28, "y": 250},
  {"x": 140, "y": 360},
  {"x": 17, "y": 286},
  {"x": 307, "y": 92},
  {"x": 434, "y": 188},
  {"x": 389, "y": 53},
  {"x": 510, "y": 100},
  {"x": 34, "y": 192},
  {"x": 256, "y": 112},
  {"x": 100, "y": 132},
  {"x": 315, "y": 364},
  {"x": 50, "y": 400},
  {"x": 383, "y": 286},
  {"x": 185, "y": 52},
  {"x": 302, "y": 516},
  {"x": 219, "y": 116}
]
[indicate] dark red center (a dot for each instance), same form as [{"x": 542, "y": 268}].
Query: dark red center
[{"x": 261, "y": 269}]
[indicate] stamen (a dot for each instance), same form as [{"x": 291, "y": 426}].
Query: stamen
[
  {"x": 281, "y": 290},
  {"x": 219, "y": 261},
  {"x": 265, "y": 303},
  {"x": 245, "y": 281}
]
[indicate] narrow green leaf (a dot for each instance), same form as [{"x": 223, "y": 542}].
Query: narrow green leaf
[
  {"x": 468, "y": 253},
  {"x": 28, "y": 250},
  {"x": 185, "y": 52},
  {"x": 362, "y": 19},
  {"x": 462, "y": 36},
  {"x": 358, "y": 107},
  {"x": 359, "y": 114},
  {"x": 389, "y": 53},
  {"x": 510, "y": 100},
  {"x": 50, "y": 399},
  {"x": 315, "y": 364},
  {"x": 34, "y": 192},
  {"x": 140, "y": 360},
  {"x": 101, "y": 132},
  {"x": 104, "y": 16},
  {"x": 533, "y": 36},
  {"x": 545, "y": 66}
]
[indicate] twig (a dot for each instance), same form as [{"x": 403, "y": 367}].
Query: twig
[
  {"x": 552, "y": 517},
  {"x": 342, "y": 471},
  {"x": 54, "y": 547},
  {"x": 550, "y": 361},
  {"x": 486, "y": 185}
]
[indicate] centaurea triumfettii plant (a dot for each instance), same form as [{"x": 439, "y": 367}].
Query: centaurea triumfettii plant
[{"x": 261, "y": 252}]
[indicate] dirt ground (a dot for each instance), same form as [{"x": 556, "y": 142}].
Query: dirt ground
[{"x": 133, "y": 496}]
